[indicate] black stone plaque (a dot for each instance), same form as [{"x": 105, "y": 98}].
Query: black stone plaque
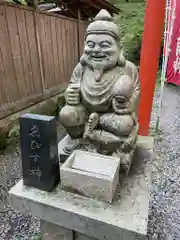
[{"x": 39, "y": 150}]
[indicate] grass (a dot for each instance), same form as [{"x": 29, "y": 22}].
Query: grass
[
  {"x": 157, "y": 134},
  {"x": 37, "y": 237},
  {"x": 158, "y": 81}
]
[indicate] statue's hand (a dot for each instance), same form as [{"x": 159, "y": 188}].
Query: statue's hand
[
  {"x": 128, "y": 106},
  {"x": 91, "y": 124},
  {"x": 122, "y": 107},
  {"x": 72, "y": 95}
]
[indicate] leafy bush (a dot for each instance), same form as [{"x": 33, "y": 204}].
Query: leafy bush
[
  {"x": 131, "y": 22},
  {"x": 23, "y": 2}
]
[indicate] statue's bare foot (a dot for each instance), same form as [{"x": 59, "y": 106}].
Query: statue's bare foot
[
  {"x": 91, "y": 124},
  {"x": 93, "y": 121}
]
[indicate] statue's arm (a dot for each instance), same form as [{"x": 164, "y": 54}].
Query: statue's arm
[
  {"x": 129, "y": 105},
  {"x": 76, "y": 75},
  {"x": 72, "y": 93},
  {"x": 134, "y": 100}
]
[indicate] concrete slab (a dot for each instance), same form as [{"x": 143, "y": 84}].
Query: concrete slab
[
  {"x": 51, "y": 231},
  {"x": 92, "y": 175},
  {"x": 79, "y": 236},
  {"x": 125, "y": 219}
]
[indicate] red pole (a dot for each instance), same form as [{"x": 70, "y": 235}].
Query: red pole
[{"x": 153, "y": 28}]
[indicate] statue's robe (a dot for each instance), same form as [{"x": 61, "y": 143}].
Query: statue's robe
[{"x": 97, "y": 95}]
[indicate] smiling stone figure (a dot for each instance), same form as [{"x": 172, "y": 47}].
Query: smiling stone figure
[{"x": 103, "y": 95}]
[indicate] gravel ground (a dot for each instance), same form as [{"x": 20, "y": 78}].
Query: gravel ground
[
  {"x": 164, "y": 214},
  {"x": 13, "y": 225}
]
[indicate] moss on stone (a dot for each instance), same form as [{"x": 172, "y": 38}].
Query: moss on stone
[{"x": 3, "y": 137}]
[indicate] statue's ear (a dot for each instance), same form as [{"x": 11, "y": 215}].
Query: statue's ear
[{"x": 121, "y": 59}]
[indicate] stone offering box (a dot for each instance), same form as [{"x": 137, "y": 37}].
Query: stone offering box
[
  {"x": 69, "y": 216},
  {"x": 92, "y": 175}
]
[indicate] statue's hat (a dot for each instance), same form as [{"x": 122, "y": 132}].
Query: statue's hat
[{"x": 103, "y": 24}]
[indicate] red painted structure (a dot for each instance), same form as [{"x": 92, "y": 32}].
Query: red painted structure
[{"x": 153, "y": 29}]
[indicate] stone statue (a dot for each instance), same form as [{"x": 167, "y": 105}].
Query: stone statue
[{"x": 102, "y": 96}]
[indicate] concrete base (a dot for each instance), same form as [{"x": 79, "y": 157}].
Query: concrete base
[
  {"x": 125, "y": 219},
  {"x": 51, "y": 231},
  {"x": 79, "y": 236}
]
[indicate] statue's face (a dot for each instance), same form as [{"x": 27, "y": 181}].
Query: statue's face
[{"x": 101, "y": 51}]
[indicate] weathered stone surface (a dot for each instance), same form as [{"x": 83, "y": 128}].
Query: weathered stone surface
[
  {"x": 92, "y": 175},
  {"x": 79, "y": 236},
  {"x": 125, "y": 219},
  {"x": 103, "y": 94},
  {"x": 40, "y": 162},
  {"x": 63, "y": 154},
  {"x": 95, "y": 163},
  {"x": 51, "y": 231}
]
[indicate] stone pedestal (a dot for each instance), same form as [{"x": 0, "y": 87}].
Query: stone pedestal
[
  {"x": 51, "y": 231},
  {"x": 125, "y": 219},
  {"x": 79, "y": 236}
]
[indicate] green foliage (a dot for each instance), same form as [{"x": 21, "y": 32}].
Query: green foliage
[
  {"x": 29, "y": 2},
  {"x": 131, "y": 22},
  {"x": 23, "y": 2},
  {"x": 158, "y": 82},
  {"x": 37, "y": 237}
]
